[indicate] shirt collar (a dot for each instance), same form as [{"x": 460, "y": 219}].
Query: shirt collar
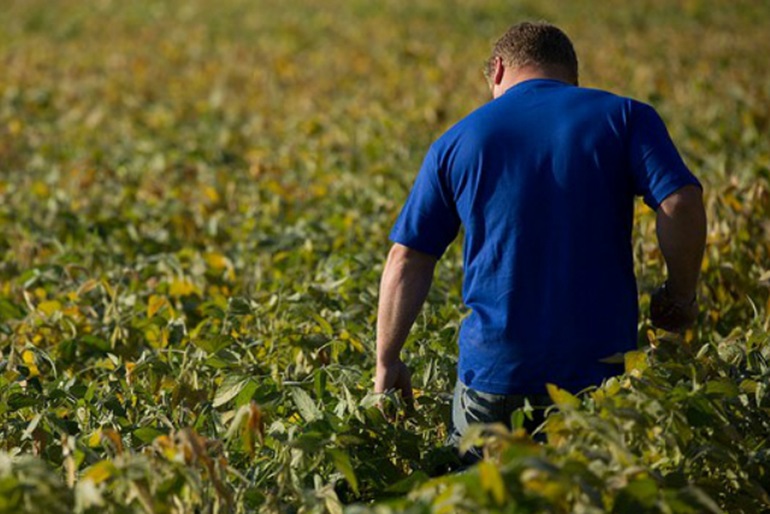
[{"x": 530, "y": 84}]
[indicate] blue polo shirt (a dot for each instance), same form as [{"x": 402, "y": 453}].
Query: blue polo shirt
[{"x": 543, "y": 181}]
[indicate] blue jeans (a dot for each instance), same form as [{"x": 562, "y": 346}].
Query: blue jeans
[{"x": 471, "y": 406}]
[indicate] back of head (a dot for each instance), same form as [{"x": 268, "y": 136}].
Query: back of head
[{"x": 538, "y": 44}]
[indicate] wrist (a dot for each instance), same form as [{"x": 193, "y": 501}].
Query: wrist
[{"x": 386, "y": 361}]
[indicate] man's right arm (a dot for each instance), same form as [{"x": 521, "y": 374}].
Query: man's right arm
[
  {"x": 405, "y": 283},
  {"x": 681, "y": 230}
]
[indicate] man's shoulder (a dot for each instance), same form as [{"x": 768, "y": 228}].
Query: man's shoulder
[
  {"x": 620, "y": 110},
  {"x": 626, "y": 102},
  {"x": 470, "y": 127},
  {"x": 474, "y": 125},
  {"x": 603, "y": 97},
  {"x": 484, "y": 121}
]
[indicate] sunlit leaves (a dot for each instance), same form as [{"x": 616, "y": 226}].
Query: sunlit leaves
[
  {"x": 194, "y": 215},
  {"x": 561, "y": 397}
]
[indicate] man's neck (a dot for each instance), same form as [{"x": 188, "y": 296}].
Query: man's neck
[{"x": 514, "y": 76}]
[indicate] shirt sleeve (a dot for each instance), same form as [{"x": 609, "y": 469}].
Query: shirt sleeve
[
  {"x": 658, "y": 169},
  {"x": 428, "y": 221}
]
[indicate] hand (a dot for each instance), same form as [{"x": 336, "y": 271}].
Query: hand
[
  {"x": 670, "y": 313},
  {"x": 394, "y": 376}
]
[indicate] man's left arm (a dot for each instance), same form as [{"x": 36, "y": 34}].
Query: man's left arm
[
  {"x": 681, "y": 229},
  {"x": 405, "y": 283}
]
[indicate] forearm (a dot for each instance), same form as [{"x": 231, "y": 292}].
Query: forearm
[
  {"x": 404, "y": 286},
  {"x": 681, "y": 229}
]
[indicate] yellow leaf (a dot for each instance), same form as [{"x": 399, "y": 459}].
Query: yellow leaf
[
  {"x": 40, "y": 189},
  {"x": 95, "y": 439},
  {"x": 652, "y": 338},
  {"x": 154, "y": 304},
  {"x": 612, "y": 386},
  {"x": 182, "y": 287},
  {"x": 356, "y": 344},
  {"x": 211, "y": 194},
  {"x": 114, "y": 438},
  {"x": 87, "y": 286},
  {"x": 561, "y": 397},
  {"x": 29, "y": 360},
  {"x": 100, "y": 471},
  {"x": 15, "y": 126},
  {"x": 108, "y": 289},
  {"x": 129, "y": 370},
  {"x": 635, "y": 361},
  {"x": 733, "y": 202},
  {"x": 217, "y": 261},
  {"x": 492, "y": 481},
  {"x": 72, "y": 312},
  {"x": 49, "y": 307},
  {"x": 541, "y": 484},
  {"x": 554, "y": 429},
  {"x": 156, "y": 336},
  {"x": 28, "y": 356}
]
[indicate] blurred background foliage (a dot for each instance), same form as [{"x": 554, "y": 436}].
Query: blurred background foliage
[{"x": 195, "y": 199}]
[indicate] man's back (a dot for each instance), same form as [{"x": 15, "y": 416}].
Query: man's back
[{"x": 543, "y": 180}]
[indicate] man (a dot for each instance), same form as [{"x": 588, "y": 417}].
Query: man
[{"x": 543, "y": 180}]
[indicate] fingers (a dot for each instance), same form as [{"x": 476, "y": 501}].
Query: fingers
[
  {"x": 386, "y": 378},
  {"x": 404, "y": 381},
  {"x": 394, "y": 377},
  {"x": 404, "y": 384}
]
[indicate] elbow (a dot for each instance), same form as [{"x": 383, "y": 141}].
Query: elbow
[
  {"x": 689, "y": 197},
  {"x": 401, "y": 256},
  {"x": 686, "y": 204}
]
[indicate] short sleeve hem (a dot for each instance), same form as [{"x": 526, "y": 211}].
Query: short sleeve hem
[{"x": 670, "y": 187}]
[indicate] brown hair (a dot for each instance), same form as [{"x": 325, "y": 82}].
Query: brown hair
[{"x": 538, "y": 43}]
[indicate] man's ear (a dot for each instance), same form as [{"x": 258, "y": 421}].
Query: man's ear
[{"x": 497, "y": 76}]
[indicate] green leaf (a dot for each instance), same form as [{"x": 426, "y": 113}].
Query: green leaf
[
  {"x": 305, "y": 405},
  {"x": 724, "y": 388},
  {"x": 9, "y": 310},
  {"x": 325, "y": 325},
  {"x": 517, "y": 419},
  {"x": 309, "y": 441},
  {"x": 641, "y": 495},
  {"x": 96, "y": 343},
  {"x": 147, "y": 434},
  {"x": 230, "y": 388},
  {"x": 342, "y": 463},
  {"x": 213, "y": 343},
  {"x": 247, "y": 393},
  {"x": 319, "y": 382},
  {"x": 32, "y": 426},
  {"x": 19, "y": 401},
  {"x": 238, "y": 306},
  {"x": 409, "y": 483}
]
